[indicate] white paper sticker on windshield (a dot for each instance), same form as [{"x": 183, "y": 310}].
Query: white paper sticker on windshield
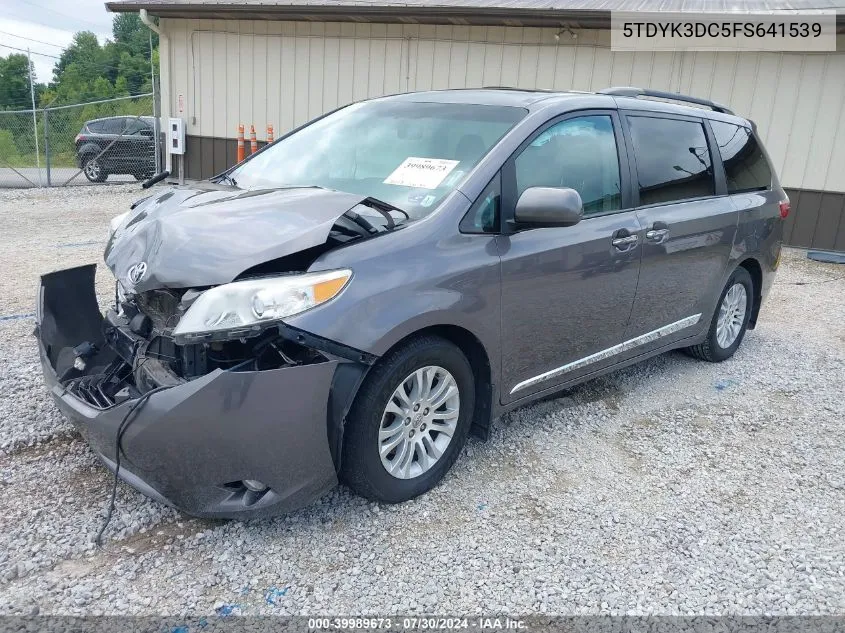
[{"x": 422, "y": 173}]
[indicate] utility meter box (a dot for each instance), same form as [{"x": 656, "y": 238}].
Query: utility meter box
[{"x": 176, "y": 136}]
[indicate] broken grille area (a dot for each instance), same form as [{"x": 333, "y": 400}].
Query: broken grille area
[
  {"x": 161, "y": 306},
  {"x": 107, "y": 388}
]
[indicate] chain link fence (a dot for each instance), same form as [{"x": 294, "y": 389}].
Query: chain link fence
[{"x": 110, "y": 140}]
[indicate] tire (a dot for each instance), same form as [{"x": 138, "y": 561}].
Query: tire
[
  {"x": 713, "y": 349},
  {"x": 94, "y": 170},
  {"x": 363, "y": 468}
]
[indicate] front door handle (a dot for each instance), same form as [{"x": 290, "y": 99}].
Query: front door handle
[{"x": 624, "y": 243}]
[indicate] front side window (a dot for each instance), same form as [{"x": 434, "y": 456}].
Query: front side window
[
  {"x": 577, "y": 153},
  {"x": 114, "y": 126},
  {"x": 673, "y": 161},
  {"x": 408, "y": 154},
  {"x": 136, "y": 127},
  {"x": 746, "y": 167}
]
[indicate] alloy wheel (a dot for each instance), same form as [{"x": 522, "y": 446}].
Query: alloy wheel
[
  {"x": 92, "y": 169},
  {"x": 418, "y": 422},
  {"x": 731, "y": 315}
]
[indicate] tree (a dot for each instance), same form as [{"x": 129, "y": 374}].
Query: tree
[
  {"x": 132, "y": 35},
  {"x": 14, "y": 83},
  {"x": 87, "y": 71},
  {"x": 86, "y": 54}
]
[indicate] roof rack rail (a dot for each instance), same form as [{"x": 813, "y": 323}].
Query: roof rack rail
[
  {"x": 515, "y": 89},
  {"x": 630, "y": 91}
]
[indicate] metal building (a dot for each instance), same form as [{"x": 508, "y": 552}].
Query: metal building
[{"x": 287, "y": 61}]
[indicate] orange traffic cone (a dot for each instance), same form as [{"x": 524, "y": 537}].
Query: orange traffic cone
[
  {"x": 241, "y": 148},
  {"x": 253, "y": 140},
  {"x": 269, "y": 132}
]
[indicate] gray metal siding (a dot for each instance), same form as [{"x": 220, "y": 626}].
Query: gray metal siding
[{"x": 817, "y": 220}]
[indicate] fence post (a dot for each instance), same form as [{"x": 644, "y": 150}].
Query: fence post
[
  {"x": 34, "y": 115},
  {"x": 47, "y": 144}
]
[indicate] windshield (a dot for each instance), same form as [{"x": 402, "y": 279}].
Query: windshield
[{"x": 407, "y": 154}]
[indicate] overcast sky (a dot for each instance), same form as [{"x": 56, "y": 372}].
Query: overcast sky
[{"x": 50, "y": 21}]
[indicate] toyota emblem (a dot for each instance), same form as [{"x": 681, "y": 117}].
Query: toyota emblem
[{"x": 137, "y": 273}]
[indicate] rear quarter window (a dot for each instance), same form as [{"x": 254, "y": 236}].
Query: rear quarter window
[
  {"x": 673, "y": 159},
  {"x": 746, "y": 167}
]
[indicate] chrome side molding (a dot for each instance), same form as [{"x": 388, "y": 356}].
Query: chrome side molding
[{"x": 643, "y": 339}]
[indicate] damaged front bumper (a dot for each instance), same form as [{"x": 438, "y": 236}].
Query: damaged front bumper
[{"x": 195, "y": 443}]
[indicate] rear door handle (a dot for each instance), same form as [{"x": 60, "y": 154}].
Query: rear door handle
[
  {"x": 624, "y": 243},
  {"x": 657, "y": 232},
  {"x": 655, "y": 235}
]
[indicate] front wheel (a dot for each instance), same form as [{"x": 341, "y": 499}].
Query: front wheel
[
  {"x": 409, "y": 421},
  {"x": 730, "y": 321}
]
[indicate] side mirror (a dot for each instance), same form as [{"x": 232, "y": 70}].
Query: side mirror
[{"x": 549, "y": 206}]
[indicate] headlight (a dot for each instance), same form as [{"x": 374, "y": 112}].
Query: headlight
[{"x": 241, "y": 308}]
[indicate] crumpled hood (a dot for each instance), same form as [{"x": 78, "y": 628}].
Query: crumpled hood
[{"x": 207, "y": 234}]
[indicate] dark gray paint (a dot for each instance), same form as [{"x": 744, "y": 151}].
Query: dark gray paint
[
  {"x": 597, "y": 286},
  {"x": 549, "y": 206},
  {"x": 186, "y": 442},
  {"x": 206, "y": 234},
  {"x": 566, "y": 293},
  {"x": 817, "y": 220},
  {"x": 534, "y": 299}
]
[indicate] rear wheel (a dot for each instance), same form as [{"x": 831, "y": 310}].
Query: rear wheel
[
  {"x": 409, "y": 421},
  {"x": 94, "y": 170},
  {"x": 730, "y": 321}
]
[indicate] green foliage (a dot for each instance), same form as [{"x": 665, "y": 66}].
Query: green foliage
[
  {"x": 85, "y": 71},
  {"x": 14, "y": 83},
  {"x": 8, "y": 149},
  {"x": 131, "y": 34}
]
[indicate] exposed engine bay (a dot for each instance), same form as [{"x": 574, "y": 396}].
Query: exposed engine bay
[{"x": 141, "y": 354}]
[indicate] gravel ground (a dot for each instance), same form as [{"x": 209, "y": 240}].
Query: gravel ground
[{"x": 672, "y": 487}]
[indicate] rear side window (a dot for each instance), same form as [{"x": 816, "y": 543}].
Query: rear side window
[
  {"x": 673, "y": 161},
  {"x": 746, "y": 167}
]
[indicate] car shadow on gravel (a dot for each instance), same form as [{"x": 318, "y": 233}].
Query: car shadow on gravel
[{"x": 339, "y": 508}]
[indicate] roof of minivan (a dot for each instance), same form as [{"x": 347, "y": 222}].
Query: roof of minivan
[
  {"x": 483, "y": 96},
  {"x": 526, "y": 98}
]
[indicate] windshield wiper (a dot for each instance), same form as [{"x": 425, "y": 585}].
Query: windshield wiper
[
  {"x": 384, "y": 208},
  {"x": 360, "y": 221},
  {"x": 227, "y": 178}
]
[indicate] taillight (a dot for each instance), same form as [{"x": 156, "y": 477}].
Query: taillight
[
  {"x": 78, "y": 138},
  {"x": 784, "y": 208}
]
